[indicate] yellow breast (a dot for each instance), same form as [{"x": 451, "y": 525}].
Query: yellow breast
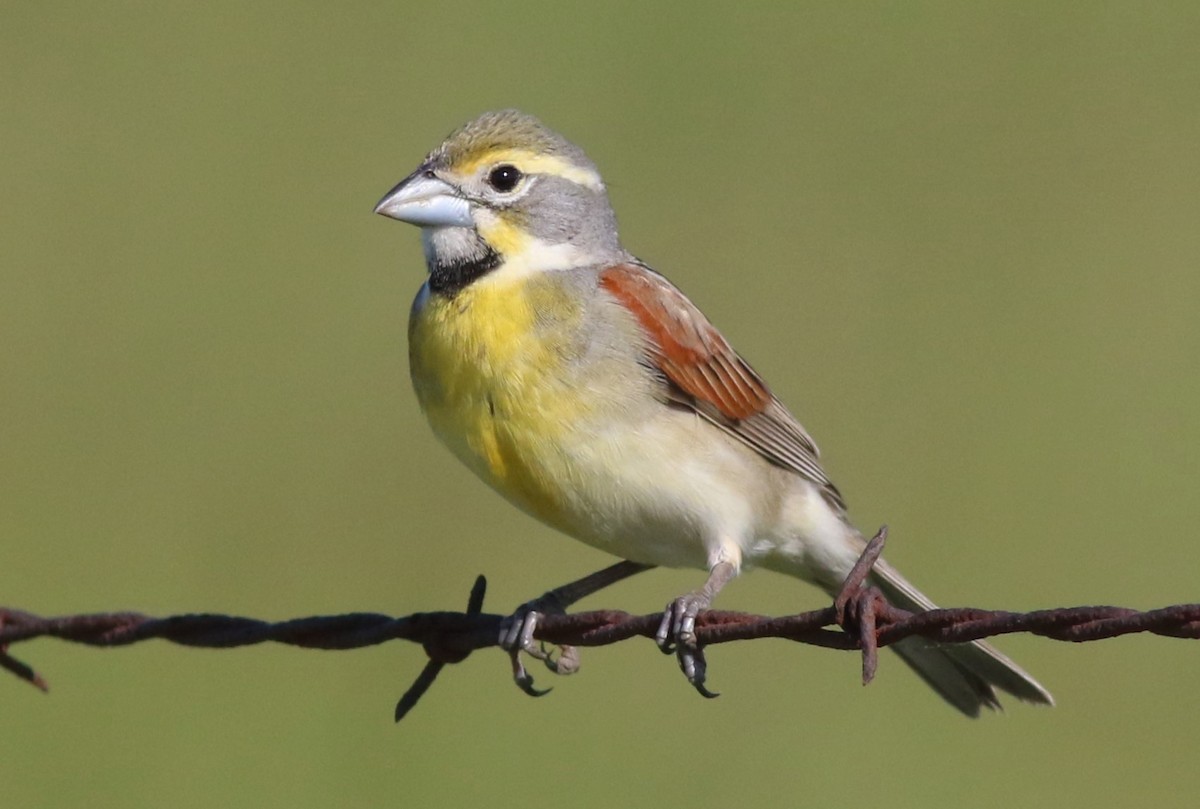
[{"x": 489, "y": 366}]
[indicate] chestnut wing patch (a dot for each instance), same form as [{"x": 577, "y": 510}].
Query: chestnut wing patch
[
  {"x": 707, "y": 375},
  {"x": 688, "y": 349}
]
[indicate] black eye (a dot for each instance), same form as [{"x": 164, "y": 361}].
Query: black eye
[{"x": 504, "y": 177}]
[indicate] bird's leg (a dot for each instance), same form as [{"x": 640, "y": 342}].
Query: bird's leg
[
  {"x": 516, "y": 632},
  {"x": 677, "y": 631}
]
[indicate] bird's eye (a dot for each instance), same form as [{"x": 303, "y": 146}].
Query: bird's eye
[{"x": 504, "y": 178}]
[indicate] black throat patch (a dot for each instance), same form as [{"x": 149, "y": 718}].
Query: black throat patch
[{"x": 447, "y": 278}]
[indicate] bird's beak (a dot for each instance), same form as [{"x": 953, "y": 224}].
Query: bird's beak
[{"x": 422, "y": 199}]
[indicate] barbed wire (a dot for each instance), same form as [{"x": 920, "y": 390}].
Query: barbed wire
[{"x": 859, "y": 619}]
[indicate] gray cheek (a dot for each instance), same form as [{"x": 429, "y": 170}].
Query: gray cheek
[{"x": 559, "y": 211}]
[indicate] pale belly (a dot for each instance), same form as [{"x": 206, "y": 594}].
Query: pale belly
[
  {"x": 585, "y": 446},
  {"x": 661, "y": 490}
]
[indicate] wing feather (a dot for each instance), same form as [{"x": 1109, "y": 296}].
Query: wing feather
[{"x": 702, "y": 372}]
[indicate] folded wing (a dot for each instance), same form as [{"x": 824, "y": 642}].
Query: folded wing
[{"x": 703, "y": 373}]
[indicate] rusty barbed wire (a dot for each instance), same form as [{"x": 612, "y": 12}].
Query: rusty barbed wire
[{"x": 860, "y": 619}]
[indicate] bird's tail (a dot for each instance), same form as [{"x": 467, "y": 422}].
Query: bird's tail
[{"x": 965, "y": 674}]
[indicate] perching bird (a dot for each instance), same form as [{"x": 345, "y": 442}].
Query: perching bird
[{"x": 589, "y": 391}]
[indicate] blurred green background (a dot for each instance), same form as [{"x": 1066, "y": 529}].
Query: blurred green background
[{"x": 961, "y": 239}]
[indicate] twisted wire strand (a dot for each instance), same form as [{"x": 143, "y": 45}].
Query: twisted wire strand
[{"x": 448, "y": 637}]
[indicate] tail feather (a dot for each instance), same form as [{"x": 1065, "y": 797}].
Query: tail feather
[{"x": 964, "y": 674}]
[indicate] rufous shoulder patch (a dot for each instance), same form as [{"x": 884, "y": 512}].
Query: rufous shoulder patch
[{"x": 687, "y": 348}]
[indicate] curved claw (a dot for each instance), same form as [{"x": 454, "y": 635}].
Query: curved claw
[
  {"x": 524, "y": 679},
  {"x": 516, "y": 636},
  {"x": 695, "y": 668},
  {"x": 677, "y": 635},
  {"x": 516, "y": 632}
]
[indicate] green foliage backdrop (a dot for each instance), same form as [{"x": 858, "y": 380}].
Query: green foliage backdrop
[{"x": 961, "y": 240}]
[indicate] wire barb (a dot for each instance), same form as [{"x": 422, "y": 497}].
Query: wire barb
[
  {"x": 438, "y": 658},
  {"x": 860, "y": 619},
  {"x": 857, "y": 604}
]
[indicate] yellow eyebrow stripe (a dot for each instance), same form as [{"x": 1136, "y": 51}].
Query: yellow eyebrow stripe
[{"x": 537, "y": 163}]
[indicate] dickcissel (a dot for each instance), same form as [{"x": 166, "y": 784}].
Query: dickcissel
[{"x": 588, "y": 390}]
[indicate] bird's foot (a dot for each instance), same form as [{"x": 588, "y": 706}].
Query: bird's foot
[
  {"x": 677, "y": 634},
  {"x": 516, "y": 637},
  {"x": 516, "y": 632}
]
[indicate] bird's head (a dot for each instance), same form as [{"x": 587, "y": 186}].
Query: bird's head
[{"x": 504, "y": 189}]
